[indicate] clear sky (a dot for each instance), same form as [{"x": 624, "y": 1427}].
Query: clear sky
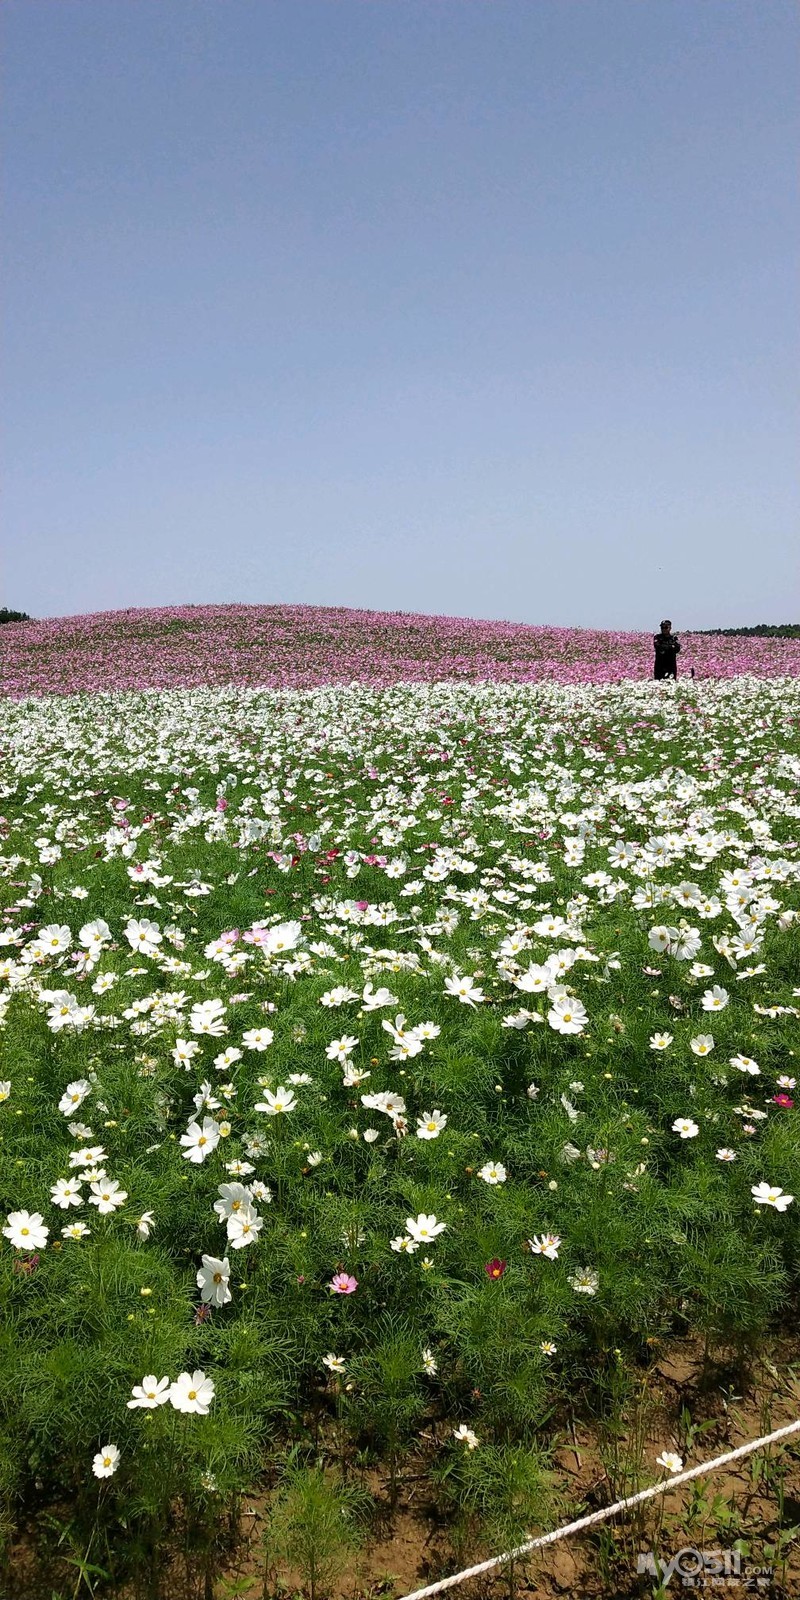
[{"x": 478, "y": 307}]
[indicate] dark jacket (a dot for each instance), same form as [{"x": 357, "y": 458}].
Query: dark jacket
[{"x": 666, "y": 646}]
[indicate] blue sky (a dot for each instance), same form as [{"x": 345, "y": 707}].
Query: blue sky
[{"x": 477, "y": 307}]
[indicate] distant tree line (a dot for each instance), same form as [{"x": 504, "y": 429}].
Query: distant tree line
[
  {"x": 763, "y": 630},
  {"x": 13, "y": 616}
]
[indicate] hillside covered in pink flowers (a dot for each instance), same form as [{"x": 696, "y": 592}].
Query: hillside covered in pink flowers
[{"x": 303, "y": 646}]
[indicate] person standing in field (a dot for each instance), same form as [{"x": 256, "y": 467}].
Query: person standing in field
[{"x": 666, "y": 645}]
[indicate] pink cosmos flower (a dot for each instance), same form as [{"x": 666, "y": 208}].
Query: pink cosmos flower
[
  {"x": 135, "y": 650},
  {"x": 784, "y": 1100},
  {"x": 342, "y": 1283}
]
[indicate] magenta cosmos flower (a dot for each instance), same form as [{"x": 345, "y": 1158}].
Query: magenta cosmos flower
[
  {"x": 342, "y": 1283},
  {"x": 784, "y": 1100},
  {"x": 495, "y": 1269}
]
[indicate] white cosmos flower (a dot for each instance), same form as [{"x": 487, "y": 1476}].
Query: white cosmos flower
[
  {"x": 352, "y": 1076},
  {"x": 464, "y": 989},
  {"x": 226, "y": 1059},
  {"x": 233, "y": 1198},
  {"x": 74, "y": 1096},
  {"x": 688, "y": 944},
  {"x": 93, "y": 935},
  {"x": 258, "y": 1039},
  {"x": 205, "y": 1099},
  {"x": 427, "y": 1030},
  {"x": 192, "y": 1392},
  {"x": 685, "y": 1127},
  {"x": 277, "y": 1104},
  {"x": 243, "y": 1229},
  {"x": 550, "y": 927},
  {"x": 199, "y": 1142},
  {"x": 765, "y": 1194},
  {"x": 392, "y": 1104},
  {"x": 107, "y": 1196},
  {"x": 212, "y": 1281},
  {"x": 745, "y": 1064},
  {"x": 660, "y": 1041},
  {"x": 545, "y": 1244},
  {"x": 465, "y": 1435},
  {"x": 90, "y": 1156},
  {"x": 183, "y": 1051},
  {"x": 670, "y": 1461},
  {"x": 105, "y": 982},
  {"x": 374, "y": 999},
  {"x": 75, "y": 1230},
  {"x": 337, "y": 997},
  {"x": 282, "y": 938},
  {"x": 403, "y": 1244},
  {"x": 144, "y": 937},
  {"x": 26, "y": 1230},
  {"x": 724, "y": 1154},
  {"x": 493, "y": 1172},
  {"x": 424, "y": 1228},
  {"x": 150, "y": 1393},
  {"x": 702, "y": 1044},
  {"x": 567, "y": 1015},
  {"x": 715, "y": 999},
  {"x": 536, "y": 980},
  {"x": 340, "y": 1049},
  {"x": 106, "y": 1461},
  {"x": 207, "y": 1017},
  {"x": 334, "y": 1363},
  {"x": 66, "y": 1192},
  {"x": 431, "y": 1124},
  {"x": 54, "y": 938},
  {"x": 584, "y": 1281}
]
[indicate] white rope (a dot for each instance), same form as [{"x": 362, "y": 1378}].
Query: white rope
[{"x": 671, "y": 1482}]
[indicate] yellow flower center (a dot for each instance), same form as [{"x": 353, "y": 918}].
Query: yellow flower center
[{"x": 192, "y": 1394}]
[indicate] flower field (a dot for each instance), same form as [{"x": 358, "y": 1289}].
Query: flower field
[
  {"x": 302, "y": 647},
  {"x": 390, "y": 1074}
]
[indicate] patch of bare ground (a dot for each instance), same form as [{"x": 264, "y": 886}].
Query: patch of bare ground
[{"x": 749, "y": 1510}]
